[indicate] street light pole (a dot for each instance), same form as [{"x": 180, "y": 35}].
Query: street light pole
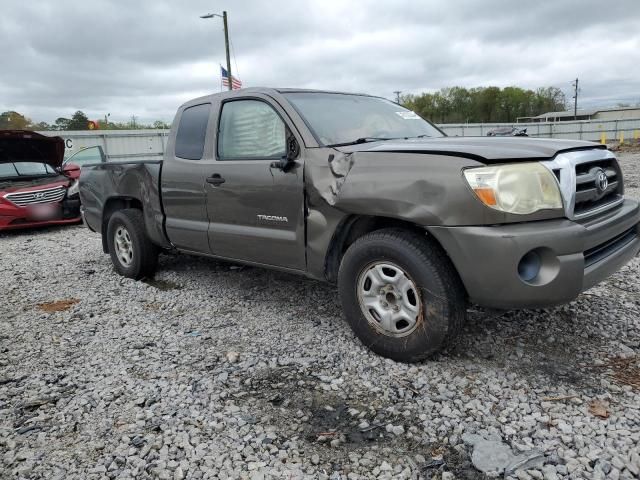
[
  {"x": 226, "y": 47},
  {"x": 226, "y": 42}
]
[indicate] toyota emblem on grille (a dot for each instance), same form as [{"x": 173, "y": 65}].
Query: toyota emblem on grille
[
  {"x": 38, "y": 195},
  {"x": 602, "y": 182}
]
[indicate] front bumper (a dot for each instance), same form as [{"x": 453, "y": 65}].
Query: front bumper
[
  {"x": 15, "y": 218},
  {"x": 13, "y": 223},
  {"x": 574, "y": 256}
]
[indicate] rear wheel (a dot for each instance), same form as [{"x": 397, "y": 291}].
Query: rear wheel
[
  {"x": 401, "y": 294},
  {"x": 132, "y": 253}
]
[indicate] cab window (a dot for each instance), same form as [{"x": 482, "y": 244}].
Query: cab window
[
  {"x": 192, "y": 132},
  {"x": 250, "y": 130}
]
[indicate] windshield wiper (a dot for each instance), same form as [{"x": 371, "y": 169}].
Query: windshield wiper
[{"x": 362, "y": 140}]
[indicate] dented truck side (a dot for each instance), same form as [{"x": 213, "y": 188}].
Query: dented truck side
[{"x": 394, "y": 216}]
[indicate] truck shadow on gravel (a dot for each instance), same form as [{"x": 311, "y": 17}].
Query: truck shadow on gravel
[
  {"x": 163, "y": 285},
  {"x": 252, "y": 283},
  {"x": 556, "y": 345}
]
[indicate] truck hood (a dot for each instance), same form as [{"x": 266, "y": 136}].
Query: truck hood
[
  {"x": 26, "y": 146},
  {"x": 482, "y": 149}
]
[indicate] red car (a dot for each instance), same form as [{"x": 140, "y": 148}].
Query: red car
[{"x": 36, "y": 186}]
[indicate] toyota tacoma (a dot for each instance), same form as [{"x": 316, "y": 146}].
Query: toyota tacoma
[{"x": 357, "y": 190}]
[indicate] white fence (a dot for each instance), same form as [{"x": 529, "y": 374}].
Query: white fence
[
  {"x": 577, "y": 130},
  {"x": 118, "y": 145},
  {"x": 122, "y": 145}
]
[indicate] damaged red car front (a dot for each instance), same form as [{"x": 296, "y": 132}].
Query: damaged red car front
[{"x": 35, "y": 188}]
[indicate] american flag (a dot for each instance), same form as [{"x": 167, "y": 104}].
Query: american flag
[{"x": 236, "y": 84}]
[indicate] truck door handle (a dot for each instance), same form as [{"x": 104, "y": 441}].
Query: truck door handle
[{"x": 216, "y": 179}]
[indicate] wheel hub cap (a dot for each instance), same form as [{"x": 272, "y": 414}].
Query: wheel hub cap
[
  {"x": 389, "y": 299},
  {"x": 123, "y": 246}
]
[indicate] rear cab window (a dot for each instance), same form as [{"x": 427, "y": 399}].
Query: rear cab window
[{"x": 192, "y": 132}]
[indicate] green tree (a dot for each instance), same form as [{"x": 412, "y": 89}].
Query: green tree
[
  {"x": 485, "y": 100},
  {"x": 14, "y": 121},
  {"x": 61, "y": 123},
  {"x": 484, "y": 104},
  {"x": 549, "y": 99},
  {"x": 42, "y": 126},
  {"x": 79, "y": 121}
]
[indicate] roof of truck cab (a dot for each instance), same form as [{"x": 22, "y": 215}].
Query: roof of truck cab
[
  {"x": 309, "y": 90},
  {"x": 267, "y": 91}
]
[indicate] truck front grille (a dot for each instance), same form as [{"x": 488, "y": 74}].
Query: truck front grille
[
  {"x": 598, "y": 184},
  {"x": 48, "y": 195},
  {"x": 590, "y": 181}
]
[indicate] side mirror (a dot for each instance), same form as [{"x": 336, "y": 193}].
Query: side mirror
[
  {"x": 70, "y": 167},
  {"x": 71, "y": 170},
  {"x": 292, "y": 152}
]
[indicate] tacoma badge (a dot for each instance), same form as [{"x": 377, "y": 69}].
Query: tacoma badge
[{"x": 272, "y": 218}]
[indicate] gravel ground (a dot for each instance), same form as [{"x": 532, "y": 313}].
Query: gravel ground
[{"x": 217, "y": 371}]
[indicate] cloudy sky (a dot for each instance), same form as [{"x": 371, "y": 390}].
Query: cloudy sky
[{"x": 145, "y": 57}]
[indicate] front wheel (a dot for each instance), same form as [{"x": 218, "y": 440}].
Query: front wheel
[
  {"x": 401, "y": 294},
  {"x": 132, "y": 253}
]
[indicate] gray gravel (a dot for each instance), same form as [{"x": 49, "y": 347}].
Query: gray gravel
[{"x": 215, "y": 371}]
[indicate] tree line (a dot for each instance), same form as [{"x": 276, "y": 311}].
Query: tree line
[
  {"x": 448, "y": 105},
  {"x": 484, "y": 104},
  {"x": 11, "y": 120}
]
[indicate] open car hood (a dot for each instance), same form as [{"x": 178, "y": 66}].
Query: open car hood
[{"x": 26, "y": 146}]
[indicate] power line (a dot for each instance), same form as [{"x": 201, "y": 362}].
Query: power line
[{"x": 233, "y": 53}]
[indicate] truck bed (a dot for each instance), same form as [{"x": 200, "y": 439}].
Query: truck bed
[{"x": 112, "y": 185}]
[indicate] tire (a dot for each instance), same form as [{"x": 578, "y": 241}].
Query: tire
[
  {"x": 132, "y": 253},
  {"x": 425, "y": 307}
]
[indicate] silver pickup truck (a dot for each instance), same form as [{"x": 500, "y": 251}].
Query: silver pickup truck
[{"x": 354, "y": 189}]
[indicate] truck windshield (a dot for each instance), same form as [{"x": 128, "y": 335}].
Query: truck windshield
[
  {"x": 25, "y": 169},
  {"x": 338, "y": 119}
]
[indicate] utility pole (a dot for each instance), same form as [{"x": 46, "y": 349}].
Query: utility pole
[
  {"x": 575, "y": 99},
  {"x": 397, "y": 92},
  {"x": 226, "y": 41}
]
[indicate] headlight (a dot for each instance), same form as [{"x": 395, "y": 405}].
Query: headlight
[
  {"x": 74, "y": 189},
  {"x": 519, "y": 188}
]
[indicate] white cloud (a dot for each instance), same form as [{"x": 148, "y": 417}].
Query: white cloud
[{"x": 144, "y": 58}]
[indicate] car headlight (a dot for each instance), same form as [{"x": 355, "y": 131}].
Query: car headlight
[
  {"x": 74, "y": 189},
  {"x": 519, "y": 188}
]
